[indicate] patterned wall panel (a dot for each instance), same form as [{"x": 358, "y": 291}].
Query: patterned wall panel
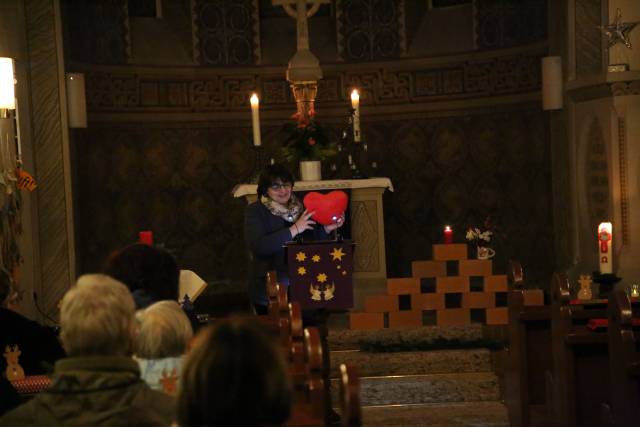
[
  {"x": 55, "y": 277},
  {"x": 588, "y": 37},
  {"x": 123, "y": 91},
  {"x": 177, "y": 181},
  {"x": 225, "y": 32},
  {"x": 505, "y": 23},
  {"x": 97, "y": 31},
  {"x": 370, "y": 29},
  {"x": 597, "y": 167}
]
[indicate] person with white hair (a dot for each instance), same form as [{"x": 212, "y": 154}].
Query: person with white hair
[
  {"x": 164, "y": 333},
  {"x": 98, "y": 384}
]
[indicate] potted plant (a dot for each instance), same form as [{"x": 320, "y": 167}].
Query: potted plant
[{"x": 307, "y": 143}]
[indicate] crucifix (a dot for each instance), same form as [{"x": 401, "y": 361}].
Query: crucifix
[{"x": 304, "y": 70}]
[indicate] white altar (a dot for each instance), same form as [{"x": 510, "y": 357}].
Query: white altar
[{"x": 367, "y": 227}]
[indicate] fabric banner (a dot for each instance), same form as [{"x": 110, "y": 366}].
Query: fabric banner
[{"x": 321, "y": 274}]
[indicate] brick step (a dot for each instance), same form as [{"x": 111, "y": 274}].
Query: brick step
[
  {"x": 475, "y": 414},
  {"x": 412, "y": 362},
  {"x": 431, "y": 388},
  {"x": 347, "y": 339}
]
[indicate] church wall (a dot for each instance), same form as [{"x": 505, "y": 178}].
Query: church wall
[{"x": 461, "y": 136}]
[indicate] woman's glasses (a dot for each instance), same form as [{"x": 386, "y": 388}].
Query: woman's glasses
[{"x": 279, "y": 185}]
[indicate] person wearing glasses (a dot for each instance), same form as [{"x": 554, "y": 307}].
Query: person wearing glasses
[{"x": 277, "y": 217}]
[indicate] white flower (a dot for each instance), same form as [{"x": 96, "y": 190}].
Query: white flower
[
  {"x": 486, "y": 236},
  {"x": 470, "y": 235}
]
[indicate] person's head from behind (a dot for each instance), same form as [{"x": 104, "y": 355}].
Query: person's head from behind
[
  {"x": 163, "y": 331},
  {"x": 97, "y": 318},
  {"x": 235, "y": 375},
  {"x": 150, "y": 273},
  {"x": 276, "y": 182}
]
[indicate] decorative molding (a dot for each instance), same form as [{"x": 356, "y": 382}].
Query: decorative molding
[
  {"x": 227, "y": 90},
  {"x": 624, "y": 189},
  {"x": 625, "y": 88}
]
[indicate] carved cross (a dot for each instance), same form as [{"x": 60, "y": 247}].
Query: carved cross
[{"x": 300, "y": 14}]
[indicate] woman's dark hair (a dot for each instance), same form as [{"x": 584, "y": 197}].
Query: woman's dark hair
[
  {"x": 234, "y": 376},
  {"x": 271, "y": 174},
  {"x": 147, "y": 269}
]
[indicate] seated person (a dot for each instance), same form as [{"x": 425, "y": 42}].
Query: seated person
[
  {"x": 99, "y": 383},
  {"x": 234, "y": 376},
  {"x": 39, "y": 345},
  {"x": 164, "y": 333},
  {"x": 150, "y": 273}
]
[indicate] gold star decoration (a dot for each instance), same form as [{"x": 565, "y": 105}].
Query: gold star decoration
[
  {"x": 321, "y": 278},
  {"x": 315, "y": 258},
  {"x": 302, "y": 271},
  {"x": 338, "y": 266},
  {"x": 344, "y": 272},
  {"x": 337, "y": 254},
  {"x": 301, "y": 256},
  {"x": 618, "y": 31}
]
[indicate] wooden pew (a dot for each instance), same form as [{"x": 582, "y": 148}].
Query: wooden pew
[
  {"x": 624, "y": 351},
  {"x": 581, "y": 376},
  {"x": 350, "y": 396},
  {"x": 529, "y": 351}
]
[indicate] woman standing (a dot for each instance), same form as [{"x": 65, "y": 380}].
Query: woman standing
[{"x": 276, "y": 218}]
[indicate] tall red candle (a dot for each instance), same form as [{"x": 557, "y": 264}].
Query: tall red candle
[
  {"x": 448, "y": 234},
  {"x": 146, "y": 237}
]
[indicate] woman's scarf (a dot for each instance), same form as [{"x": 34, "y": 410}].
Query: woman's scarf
[{"x": 289, "y": 212}]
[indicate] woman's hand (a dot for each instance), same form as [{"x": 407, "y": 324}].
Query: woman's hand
[
  {"x": 302, "y": 224},
  {"x": 339, "y": 222}
]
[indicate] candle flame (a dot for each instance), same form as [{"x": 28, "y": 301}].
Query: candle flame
[
  {"x": 355, "y": 96},
  {"x": 254, "y": 100},
  {"x": 447, "y": 228}
]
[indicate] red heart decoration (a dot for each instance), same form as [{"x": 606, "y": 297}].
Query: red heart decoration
[{"x": 326, "y": 206}]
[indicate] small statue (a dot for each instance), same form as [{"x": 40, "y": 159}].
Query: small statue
[
  {"x": 14, "y": 371},
  {"x": 329, "y": 292},
  {"x": 584, "y": 294}
]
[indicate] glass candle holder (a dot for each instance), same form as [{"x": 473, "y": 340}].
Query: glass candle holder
[{"x": 634, "y": 290}]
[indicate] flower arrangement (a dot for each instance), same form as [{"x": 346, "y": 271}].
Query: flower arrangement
[
  {"x": 307, "y": 140},
  {"x": 481, "y": 238}
]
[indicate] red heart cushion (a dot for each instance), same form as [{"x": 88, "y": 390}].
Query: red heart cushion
[{"x": 326, "y": 206}]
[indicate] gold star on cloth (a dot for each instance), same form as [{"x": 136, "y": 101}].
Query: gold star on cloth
[
  {"x": 618, "y": 31},
  {"x": 301, "y": 256},
  {"x": 321, "y": 278},
  {"x": 337, "y": 254},
  {"x": 315, "y": 258},
  {"x": 302, "y": 271}
]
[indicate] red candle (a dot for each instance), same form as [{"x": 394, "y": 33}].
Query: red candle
[
  {"x": 146, "y": 237},
  {"x": 448, "y": 234}
]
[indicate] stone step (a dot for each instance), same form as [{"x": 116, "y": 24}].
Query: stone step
[
  {"x": 347, "y": 339},
  {"x": 412, "y": 362},
  {"x": 475, "y": 414},
  {"x": 431, "y": 388}
]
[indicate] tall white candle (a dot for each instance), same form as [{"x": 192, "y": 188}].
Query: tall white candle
[
  {"x": 605, "y": 252},
  {"x": 255, "y": 119},
  {"x": 355, "y": 104}
]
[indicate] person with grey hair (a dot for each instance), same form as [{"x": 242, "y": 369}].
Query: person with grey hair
[
  {"x": 98, "y": 384},
  {"x": 164, "y": 332}
]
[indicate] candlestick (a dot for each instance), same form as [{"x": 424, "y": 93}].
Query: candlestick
[
  {"x": 448, "y": 234},
  {"x": 355, "y": 104},
  {"x": 605, "y": 252},
  {"x": 255, "y": 119}
]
